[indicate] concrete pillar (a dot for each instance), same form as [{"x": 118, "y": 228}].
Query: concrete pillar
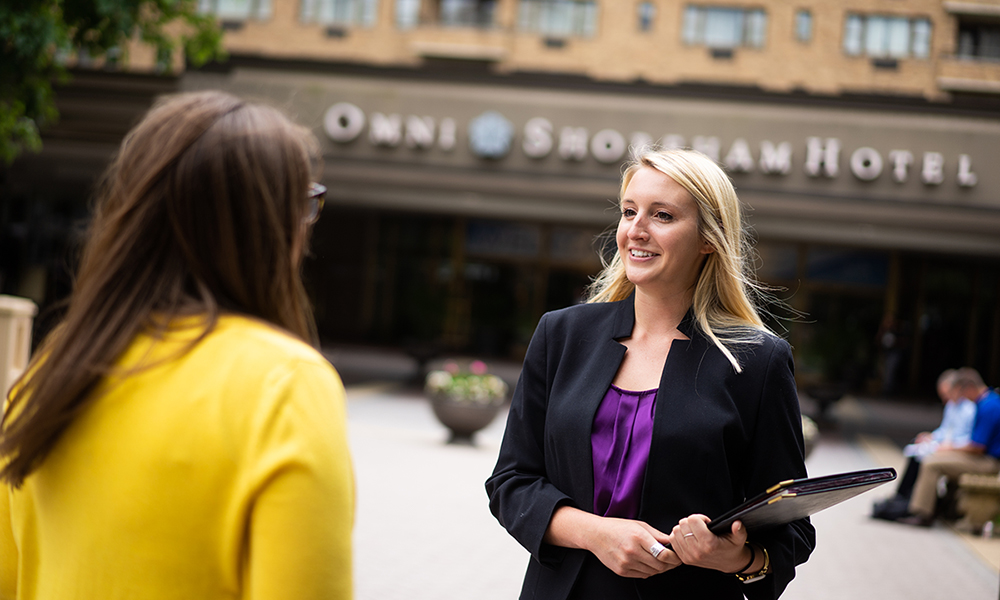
[{"x": 16, "y": 315}]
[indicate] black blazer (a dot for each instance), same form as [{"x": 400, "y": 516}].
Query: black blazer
[{"x": 719, "y": 437}]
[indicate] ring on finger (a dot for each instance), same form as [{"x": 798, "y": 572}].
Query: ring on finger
[
  {"x": 656, "y": 549},
  {"x": 689, "y": 534}
]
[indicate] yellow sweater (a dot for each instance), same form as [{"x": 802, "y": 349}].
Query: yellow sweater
[{"x": 223, "y": 473}]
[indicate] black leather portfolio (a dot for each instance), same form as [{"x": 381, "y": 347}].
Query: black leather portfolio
[{"x": 797, "y": 498}]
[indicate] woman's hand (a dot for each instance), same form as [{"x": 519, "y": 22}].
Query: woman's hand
[
  {"x": 696, "y": 545},
  {"x": 622, "y": 545}
]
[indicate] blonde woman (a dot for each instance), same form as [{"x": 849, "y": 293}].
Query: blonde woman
[{"x": 662, "y": 400}]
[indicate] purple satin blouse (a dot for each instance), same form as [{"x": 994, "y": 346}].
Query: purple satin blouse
[{"x": 623, "y": 430}]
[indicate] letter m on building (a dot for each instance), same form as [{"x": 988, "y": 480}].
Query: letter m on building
[{"x": 775, "y": 159}]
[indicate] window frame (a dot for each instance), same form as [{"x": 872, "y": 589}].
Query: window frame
[
  {"x": 406, "y": 14},
  {"x": 361, "y": 13},
  {"x": 467, "y": 13},
  {"x": 541, "y": 17},
  {"x": 877, "y": 36},
  {"x": 803, "y": 26},
  {"x": 646, "y": 16},
  {"x": 748, "y": 26},
  {"x": 970, "y": 41},
  {"x": 256, "y": 10}
]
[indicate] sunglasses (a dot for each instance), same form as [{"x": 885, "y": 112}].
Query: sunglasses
[{"x": 316, "y": 198}]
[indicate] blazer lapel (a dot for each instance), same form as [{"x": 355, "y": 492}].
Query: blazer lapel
[{"x": 677, "y": 386}]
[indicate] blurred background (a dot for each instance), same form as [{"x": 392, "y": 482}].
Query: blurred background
[{"x": 473, "y": 151}]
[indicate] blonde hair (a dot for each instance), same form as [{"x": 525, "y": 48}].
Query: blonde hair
[{"x": 723, "y": 309}]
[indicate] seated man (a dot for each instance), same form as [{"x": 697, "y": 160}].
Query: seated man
[
  {"x": 981, "y": 455},
  {"x": 954, "y": 431}
]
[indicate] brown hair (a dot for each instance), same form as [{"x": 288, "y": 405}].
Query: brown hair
[{"x": 201, "y": 212}]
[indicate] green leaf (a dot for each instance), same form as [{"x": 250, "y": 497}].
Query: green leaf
[{"x": 35, "y": 33}]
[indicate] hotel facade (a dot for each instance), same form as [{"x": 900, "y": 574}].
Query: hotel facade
[{"x": 473, "y": 152}]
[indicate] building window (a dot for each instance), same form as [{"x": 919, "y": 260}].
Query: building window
[
  {"x": 921, "y": 42},
  {"x": 803, "y": 26},
  {"x": 407, "y": 13},
  {"x": 467, "y": 13},
  {"x": 884, "y": 36},
  {"x": 452, "y": 13},
  {"x": 718, "y": 27},
  {"x": 558, "y": 18},
  {"x": 978, "y": 40},
  {"x": 236, "y": 10},
  {"x": 340, "y": 12},
  {"x": 647, "y": 12}
]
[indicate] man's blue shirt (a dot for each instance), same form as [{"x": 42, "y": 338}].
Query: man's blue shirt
[{"x": 986, "y": 429}]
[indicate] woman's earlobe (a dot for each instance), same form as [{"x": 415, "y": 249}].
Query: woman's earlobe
[{"x": 706, "y": 247}]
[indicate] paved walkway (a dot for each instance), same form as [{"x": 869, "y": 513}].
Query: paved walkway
[{"x": 424, "y": 530}]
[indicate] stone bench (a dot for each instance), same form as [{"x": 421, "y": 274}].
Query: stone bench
[{"x": 979, "y": 499}]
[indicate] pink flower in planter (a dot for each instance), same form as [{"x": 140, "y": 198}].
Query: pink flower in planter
[
  {"x": 478, "y": 367},
  {"x": 451, "y": 367}
]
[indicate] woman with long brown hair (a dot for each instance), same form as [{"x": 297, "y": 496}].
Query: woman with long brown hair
[{"x": 177, "y": 436}]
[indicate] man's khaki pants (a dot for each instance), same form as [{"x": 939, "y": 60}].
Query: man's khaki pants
[{"x": 948, "y": 463}]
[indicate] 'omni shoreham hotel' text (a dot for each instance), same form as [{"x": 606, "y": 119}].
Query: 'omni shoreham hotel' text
[{"x": 492, "y": 136}]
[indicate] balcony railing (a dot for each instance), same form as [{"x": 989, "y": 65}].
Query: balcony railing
[{"x": 467, "y": 13}]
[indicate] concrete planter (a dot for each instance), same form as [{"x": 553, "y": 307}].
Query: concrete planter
[{"x": 463, "y": 418}]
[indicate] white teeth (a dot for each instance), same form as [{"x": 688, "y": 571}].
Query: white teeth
[{"x": 641, "y": 254}]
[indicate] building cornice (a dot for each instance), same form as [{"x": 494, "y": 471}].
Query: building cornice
[
  {"x": 972, "y": 9},
  {"x": 964, "y": 101}
]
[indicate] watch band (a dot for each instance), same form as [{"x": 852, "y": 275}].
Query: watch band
[
  {"x": 752, "y": 577},
  {"x": 753, "y": 557}
]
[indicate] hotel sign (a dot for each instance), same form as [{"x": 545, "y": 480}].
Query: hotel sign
[{"x": 492, "y": 136}]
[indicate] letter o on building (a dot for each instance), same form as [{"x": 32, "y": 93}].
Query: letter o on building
[
  {"x": 343, "y": 122},
  {"x": 866, "y": 163},
  {"x": 607, "y": 146}
]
